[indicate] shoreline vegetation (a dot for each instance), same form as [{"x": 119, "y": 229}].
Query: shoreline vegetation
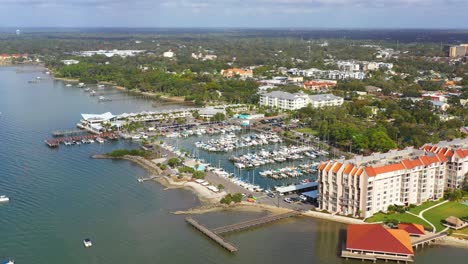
[
  {"x": 161, "y": 96},
  {"x": 210, "y": 201}
]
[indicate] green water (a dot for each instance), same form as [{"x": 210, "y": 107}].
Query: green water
[{"x": 61, "y": 196}]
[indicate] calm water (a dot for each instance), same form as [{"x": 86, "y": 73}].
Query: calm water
[{"x": 61, "y": 196}]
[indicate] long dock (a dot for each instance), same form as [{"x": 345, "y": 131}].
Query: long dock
[
  {"x": 218, "y": 239},
  {"x": 252, "y": 223},
  {"x": 215, "y": 234}
]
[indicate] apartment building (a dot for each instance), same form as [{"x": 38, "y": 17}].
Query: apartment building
[
  {"x": 283, "y": 100},
  {"x": 456, "y": 151},
  {"x": 363, "y": 186},
  {"x": 289, "y": 101}
]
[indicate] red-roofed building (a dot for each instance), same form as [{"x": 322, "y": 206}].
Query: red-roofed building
[
  {"x": 374, "y": 240},
  {"x": 319, "y": 85},
  {"x": 413, "y": 229}
]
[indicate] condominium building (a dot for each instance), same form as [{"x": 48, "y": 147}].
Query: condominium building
[
  {"x": 283, "y": 100},
  {"x": 290, "y": 101},
  {"x": 456, "y": 152},
  {"x": 363, "y": 186}
]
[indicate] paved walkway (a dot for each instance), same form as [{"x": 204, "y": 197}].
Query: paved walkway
[{"x": 420, "y": 215}]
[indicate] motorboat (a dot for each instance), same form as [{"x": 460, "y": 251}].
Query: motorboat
[
  {"x": 92, "y": 93},
  {"x": 68, "y": 85},
  {"x": 4, "y": 199},
  {"x": 87, "y": 242},
  {"x": 100, "y": 140},
  {"x": 9, "y": 262}
]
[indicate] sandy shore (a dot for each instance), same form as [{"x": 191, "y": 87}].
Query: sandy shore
[
  {"x": 205, "y": 195},
  {"x": 453, "y": 242}
]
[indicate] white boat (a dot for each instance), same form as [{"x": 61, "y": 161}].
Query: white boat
[
  {"x": 93, "y": 93},
  {"x": 87, "y": 242},
  {"x": 9, "y": 262},
  {"x": 100, "y": 140},
  {"x": 136, "y": 137},
  {"x": 4, "y": 199},
  {"x": 68, "y": 85},
  {"x": 87, "y": 89}
]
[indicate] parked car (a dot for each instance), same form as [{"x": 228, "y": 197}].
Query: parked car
[
  {"x": 271, "y": 195},
  {"x": 288, "y": 200}
]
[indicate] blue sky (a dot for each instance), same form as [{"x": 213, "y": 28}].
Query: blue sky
[{"x": 235, "y": 13}]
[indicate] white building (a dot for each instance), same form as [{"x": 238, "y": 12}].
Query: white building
[
  {"x": 456, "y": 152},
  {"x": 168, "y": 54},
  {"x": 349, "y": 66},
  {"x": 364, "y": 186},
  {"x": 110, "y": 53},
  {"x": 289, "y": 101},
  {"x": 322, "y": 100},
  {"x": 70, "y": 62}
]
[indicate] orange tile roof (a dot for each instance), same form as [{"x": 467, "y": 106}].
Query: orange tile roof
[
  {"x": 411, "y": 164},
  {"x": 462, "y": 153},
  {"x": 415, "y": 229},
  {"x": 371, "y": 171},
  {"x": 337, "y": 167},
  {"x": 374, "y": 237},
  {"x": 327, "y": 168},
  {"x": 359, "y": 172},
  {"x": 348, "y": 168},
  {"x": 322, "y": 165},
  {"x": 353, "y": 171}
]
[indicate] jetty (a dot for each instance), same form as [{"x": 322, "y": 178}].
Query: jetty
[{"x": 215, "y": 234}]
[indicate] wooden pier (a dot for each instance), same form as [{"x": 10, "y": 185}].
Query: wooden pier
[
  {"x": 218, "y": 239},
  {"x": 215, "y": 234},
  {"x": 252, "y": 223}
]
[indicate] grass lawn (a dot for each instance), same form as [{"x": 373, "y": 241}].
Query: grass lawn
[
  {"x": 403, "y": 218},
  {"x": 307, "y": 130},
  {"x": 425, "y": 205},
  {"x": 439, "y": 213}
]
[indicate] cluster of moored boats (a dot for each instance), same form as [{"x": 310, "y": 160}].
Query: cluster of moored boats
[
  {"x": 264, "y": 157},
  {"x": 231, "y": 142},
  {"x": 230, "y": 176},
  {"x": 290, "y": 172},
  {"x": 204, "y": 130},
  {"x": 84, "y": 141}
]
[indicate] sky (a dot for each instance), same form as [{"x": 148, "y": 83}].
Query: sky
[{"x": 446, "y": 14}]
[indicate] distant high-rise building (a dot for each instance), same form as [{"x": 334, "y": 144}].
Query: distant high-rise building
[
  {"x": 458, "y": 51},
  {"x": 18, "y": 32}
]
